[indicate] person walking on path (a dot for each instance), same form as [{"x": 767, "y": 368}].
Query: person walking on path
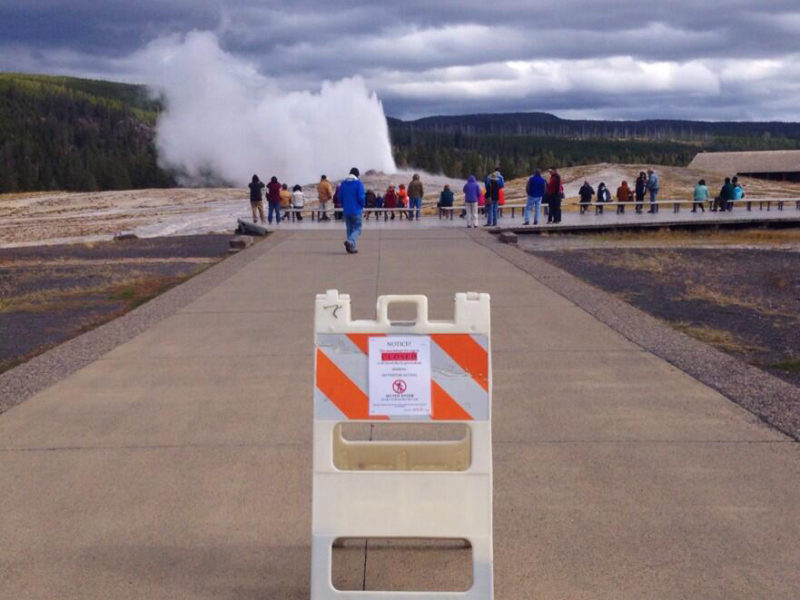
[
  {"x": 586, "y": 193},
  {"x": 623, "y": 195},
  {"x": 274, "y": 200},
  {"x": 446, "y": 201},
  {"x": 472, "y": 195},
  {"x": 535, "y": 188},
  {"x": 256, "y": 203},
  {"x": 353, "y": 197},
  {"x": 389, "y": 202},
  {"x": 653, "y": 186},
  {"x": 603, "y": 196},
  {"x": 700, "y": 196},
  {"x": 325, "y": 195},
  {"x": 415, "y": 195},
  {"x": 641, "y": 190},
  {"x": 494, "y": 183},
  {"x": 555, "y": 193},
  {"x": 298, "y": 201}
]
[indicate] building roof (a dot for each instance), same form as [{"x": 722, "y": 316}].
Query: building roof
[{"x": 772, "y": 161}]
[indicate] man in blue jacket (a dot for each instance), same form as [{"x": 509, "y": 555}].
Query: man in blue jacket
[
  {"x": 352, "y": 195},
  {"x": 535, "y": 190}
]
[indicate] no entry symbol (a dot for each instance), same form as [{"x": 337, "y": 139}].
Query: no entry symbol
[{"x": 399, "y": 386}]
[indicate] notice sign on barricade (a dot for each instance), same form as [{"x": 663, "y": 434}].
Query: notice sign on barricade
[
  {"x": 400, "y": 376},
  {"x": 388, "y": 374}
]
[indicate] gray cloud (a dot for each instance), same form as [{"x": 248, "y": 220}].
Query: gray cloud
[{"x": 732, "y": 59}]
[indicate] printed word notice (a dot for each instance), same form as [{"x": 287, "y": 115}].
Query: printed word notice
[{"x": 400, "y": 376}]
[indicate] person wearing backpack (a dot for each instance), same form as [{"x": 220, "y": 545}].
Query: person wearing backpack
[{"x": 494, "y": 183}]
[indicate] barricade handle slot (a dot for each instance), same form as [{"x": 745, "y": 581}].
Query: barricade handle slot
[{"x": 420, "y": 301}]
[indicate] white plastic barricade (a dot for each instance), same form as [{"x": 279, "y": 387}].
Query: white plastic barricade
[{"x": 416, "y": 371}]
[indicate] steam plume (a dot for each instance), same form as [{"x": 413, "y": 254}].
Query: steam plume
[{"x": 223, "y": 117}]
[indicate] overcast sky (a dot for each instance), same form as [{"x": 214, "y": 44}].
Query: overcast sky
[{"x": 727, "y": 59}]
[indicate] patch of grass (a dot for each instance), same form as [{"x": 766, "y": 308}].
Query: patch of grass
[
  {"x": 719, "y": 338},
  {"x": 628, "y": 297},
  {"x": 634, "y": 261},
  {"x": 702, "y": 237},
  {"x": 792, "y": 365},
  {"x": 136, "y": 293},
  {"x": 696, "y": 291}
]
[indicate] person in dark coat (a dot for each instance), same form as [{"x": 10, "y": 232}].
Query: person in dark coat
[
  {"x": 640, "y": 190},
  {"x": 446, "y": 201},
  {"x": 555, "y": 194},
  {"x": 369, "y": 202},
  {"x": 586, "y": 193},
  {"x": 274, "y": 200},
  {"x": 725, "y": 196},
  {"x": 256, "y": 203}
]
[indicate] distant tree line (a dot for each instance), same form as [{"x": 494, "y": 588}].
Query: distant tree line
[
  {"x": 474, "y": 144},
  {"x": 79, "y": 134}
]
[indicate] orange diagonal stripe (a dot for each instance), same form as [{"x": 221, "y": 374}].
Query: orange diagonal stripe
[
  {"x": 444, "y": 408},
  {"x": 468, "y": 353},
  {"x": 362, "y": 340},
  {"x": 341, "y": 390}
]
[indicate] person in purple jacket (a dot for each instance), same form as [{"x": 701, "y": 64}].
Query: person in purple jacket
[{"x": 472, "y": 193}]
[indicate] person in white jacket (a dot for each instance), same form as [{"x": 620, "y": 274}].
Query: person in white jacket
[{"x": 298, "y": 200}]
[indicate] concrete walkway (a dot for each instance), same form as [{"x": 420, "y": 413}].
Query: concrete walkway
[{"x": 178, "y": 465}]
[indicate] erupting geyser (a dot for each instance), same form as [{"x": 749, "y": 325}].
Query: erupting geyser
[{"x": 223, "y": 117}]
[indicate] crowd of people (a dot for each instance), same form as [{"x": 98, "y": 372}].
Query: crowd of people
[
  {"x": 647, "y": 184},
  {"x": 349, "y": 198},
  {"x": 730, "y": 192},
  {"x": 279, "y": 200}
]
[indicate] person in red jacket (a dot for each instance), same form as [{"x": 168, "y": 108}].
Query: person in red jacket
[
  {"x": 555, "y": 193},
  {"x": 389, "y": 202},
  {"x": 274, "y": 199},
  {"x": 624, "y": 194}
]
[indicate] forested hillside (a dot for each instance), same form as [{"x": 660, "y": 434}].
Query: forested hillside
[
  {"x": 520, "y": 142},
  {"x": 76, "y": 134}
]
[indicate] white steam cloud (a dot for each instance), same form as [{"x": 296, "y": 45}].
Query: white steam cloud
[{"x": 223, "y": 117}]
